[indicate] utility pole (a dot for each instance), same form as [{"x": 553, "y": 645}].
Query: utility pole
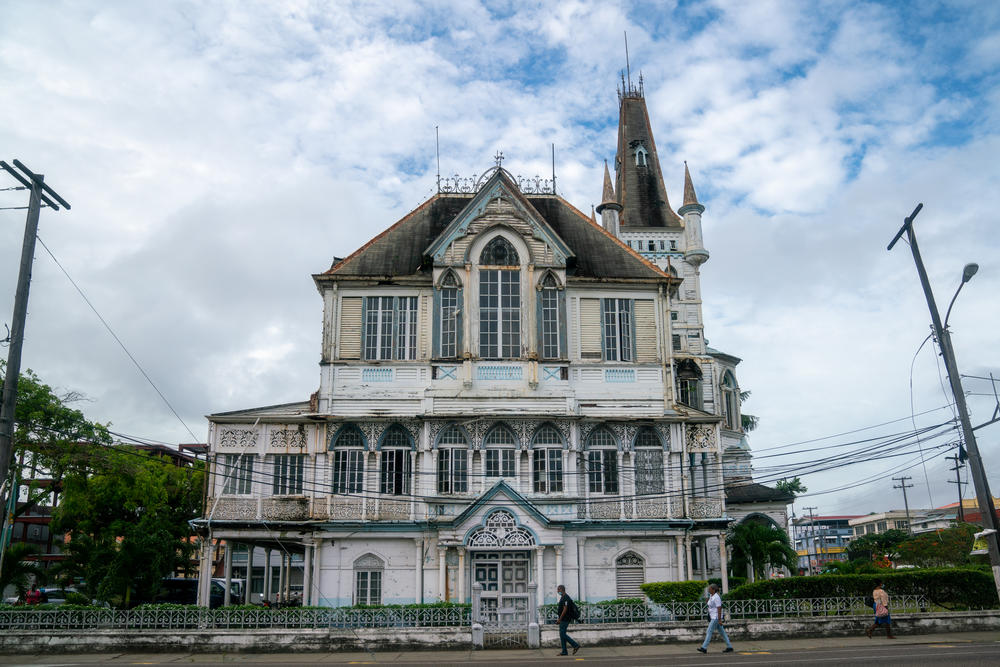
[
  {"x": 39, "y": 197},
  {"x": 955, "y": 379},
  {"x": 812, "y": 537},
  {"x": 904, "y": 486},
  {"x": 958, "y": 480}
]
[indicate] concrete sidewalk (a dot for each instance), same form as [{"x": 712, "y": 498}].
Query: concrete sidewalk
[{"x": 619, "y": 654}]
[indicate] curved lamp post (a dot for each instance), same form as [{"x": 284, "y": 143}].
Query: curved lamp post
[{"x": 980, "y": 482}]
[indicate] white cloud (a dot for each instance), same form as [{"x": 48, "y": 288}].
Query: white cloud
[{"x": 217, "y": 155}]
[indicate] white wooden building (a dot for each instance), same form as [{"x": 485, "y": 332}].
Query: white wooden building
[{"x": 509, "y": 392}]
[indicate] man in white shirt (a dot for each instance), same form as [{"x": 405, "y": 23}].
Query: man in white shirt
[{"x": 715, "y": 620}]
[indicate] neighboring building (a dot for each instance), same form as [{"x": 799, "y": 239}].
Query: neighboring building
[
  {"x": 879, "y": 522},
  {"x": 819, "y": 540},
  {"x": 37, "y": 496},
  {"x": 949, "y": 515},
  {"x": 509, "y": 393}
]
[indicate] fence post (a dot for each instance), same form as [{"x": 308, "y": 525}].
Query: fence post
[
  {"x": 477, "y": 621},
  {"x": 534, "y": 632}
]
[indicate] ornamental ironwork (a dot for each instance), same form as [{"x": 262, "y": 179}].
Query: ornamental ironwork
[
  {"x": 501, "y": 531},
  {"x": 630, "y": 559},
  {"x": 528, "y": 185},
  {"x": 700, "y": 438},
  {"x": 288, "y": 438},
  {"x": 238, "y": 438}
]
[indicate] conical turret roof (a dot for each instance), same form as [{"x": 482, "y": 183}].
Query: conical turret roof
[{"x": 639, "y": 180}]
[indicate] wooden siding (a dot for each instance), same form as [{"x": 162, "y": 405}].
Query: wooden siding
[{"x": 590, "y": 328}]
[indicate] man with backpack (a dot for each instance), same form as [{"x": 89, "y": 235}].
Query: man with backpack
[{"x": 568, "y": 611}]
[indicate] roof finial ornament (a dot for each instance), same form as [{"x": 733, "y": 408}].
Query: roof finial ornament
[{"x": 499, "y": 158}]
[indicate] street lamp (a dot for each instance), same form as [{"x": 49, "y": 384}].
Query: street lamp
[
  {"x": 967, "y": 273},
  {"x": 948, "y": 354}
]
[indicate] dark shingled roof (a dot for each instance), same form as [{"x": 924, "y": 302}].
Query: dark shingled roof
[
  {"x": 640, "y": 189},
  {"x": 398, "y": 251},
  {"x": 753, "y": 492}
]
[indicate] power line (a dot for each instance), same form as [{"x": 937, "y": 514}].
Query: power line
[{"x": 118, "y": 340}]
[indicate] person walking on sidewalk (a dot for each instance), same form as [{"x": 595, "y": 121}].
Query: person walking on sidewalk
[
  {"x": 567, "y": 612},
  {"x": 715, "y": 620},
  {"x": 880, "y": 603}
]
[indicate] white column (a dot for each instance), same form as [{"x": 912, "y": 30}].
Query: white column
[
  {"x": 461, "y": 574},
  {"x": 724, "y": 562},
  {"x": 282, "y": 573},
  {"x": 267, "y": 574},
  {"x": 229, "y": 573},
  {"x": 442, "y": 573},
  {"x": 622, "y": 491},
  {"x": 415, "y": 481},
  {"x": 205, "y": 572},
  {"x": 418, "y": 566},
  {"x": 581, "y": 567},
  {"x": 680, "y": 557},
  {"x": 540, "y": 573},
  {"x": 307, "y": 575},
  {"x": 317, "y": 578},
  {"x": 687, "y": 556},
  {"x": 559, "y": 565}
]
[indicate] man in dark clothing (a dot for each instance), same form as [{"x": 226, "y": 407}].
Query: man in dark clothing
[{"x": 565, "y": 606}]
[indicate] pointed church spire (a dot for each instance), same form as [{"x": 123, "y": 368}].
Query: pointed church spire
[
  {"x": 689, "y": 195},
  {"x": 593, "y": 214},
  {"x": 639, "y": 186},
  {"x": 608, "y": 196}
]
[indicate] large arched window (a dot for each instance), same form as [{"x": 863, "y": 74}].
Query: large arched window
[
  {"x": 500, "y": 444},
  {"x": 602, "y": 462},
  {"x": 730, "y": 402},
  {"x": 546, "y": 459},
  {"x": 453, "y": 460},
  {"x": 348, "y": 460},
  {"x": 449, "y": 316},
  {"x": 648, "y": 459},
  {"x": 368, "y": 580},
  {"x": 395, "y": 473},
  {"x": 499, "y": 301},
  {"x": 549, "y": 321}
]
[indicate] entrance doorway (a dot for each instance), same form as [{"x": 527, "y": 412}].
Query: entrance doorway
[{"x": 503, "y": 607}]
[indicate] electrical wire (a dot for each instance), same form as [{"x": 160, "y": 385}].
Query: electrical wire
[{"x": 117, "y": 339}]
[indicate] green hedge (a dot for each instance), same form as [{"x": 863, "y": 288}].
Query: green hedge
[
  {"x": 946, "y": 587},
  {"x": 674, "y": 591}
]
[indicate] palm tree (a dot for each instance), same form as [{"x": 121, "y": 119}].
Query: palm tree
[
  {"x": 18, "y": 568},
  {"x": 756, "y": 546}
]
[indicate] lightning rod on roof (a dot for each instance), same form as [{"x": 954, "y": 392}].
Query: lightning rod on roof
[
  {"x": 437, "y": 149},
  {"x": 553, "y": 168},
  {"x": 628, "y": 68}
]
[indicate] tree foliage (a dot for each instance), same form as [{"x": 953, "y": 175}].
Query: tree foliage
[
  {"x": 49, "y": 432},
  {"x": 949, "y": 546},
  {"x": 747, "y": 422},
  {"x": 20, "y": 568},
  {"x": 127, "y": 519},
  {"x": 792, "y": 486},
  {"x": 876, "y": 545},
  {"x": 756, "y": 546}
]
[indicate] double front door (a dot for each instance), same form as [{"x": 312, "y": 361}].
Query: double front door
[{"x": 503, "y": 607}]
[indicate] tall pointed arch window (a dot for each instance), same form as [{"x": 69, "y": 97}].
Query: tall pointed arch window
[
  {"x": 546, "y": 459},
  {"x": 453, "y": 461},
  {"x": 648, "y": 459},
  {"x": 500, "y": 444},
  {"x": 548, "y": 301},
  {"x": 449, "y": 316},
  {"x": 348, "y": 460},
  {"x": 730, "y": 402},
  {"x": 602, "y": 462},
  {"x": 395, "y": 472},
  {"x": 499, "y": 301}
]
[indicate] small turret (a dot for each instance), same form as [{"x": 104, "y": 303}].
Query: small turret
[
  {"x": 691, "y": 211},
  {"x": 609, "y": 207}
]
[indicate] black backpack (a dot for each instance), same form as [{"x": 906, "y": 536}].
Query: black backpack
[{"x": 573, "y": 613}]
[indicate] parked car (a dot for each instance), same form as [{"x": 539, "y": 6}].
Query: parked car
[{"x": 178, "y": 590}]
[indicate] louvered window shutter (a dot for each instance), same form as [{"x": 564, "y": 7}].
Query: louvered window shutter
[
  {"x": 645, "y": 331},
  {"x": 350, "y": 327},
  {"x": 591, "y": 335}
]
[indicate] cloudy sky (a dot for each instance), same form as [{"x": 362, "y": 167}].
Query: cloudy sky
[{"x": 217, "y": 154}]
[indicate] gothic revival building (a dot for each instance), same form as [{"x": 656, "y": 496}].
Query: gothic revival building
[{"x": 510, "y": 392}]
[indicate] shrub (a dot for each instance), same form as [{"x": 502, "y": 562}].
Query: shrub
[
  {"x": 734, "y": 582},
  {"x": 674, "y": 591},
  {"x": 947, "y": 587}
]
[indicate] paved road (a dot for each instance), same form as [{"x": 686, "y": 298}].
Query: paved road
[{"x": 973, "y": 648}]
